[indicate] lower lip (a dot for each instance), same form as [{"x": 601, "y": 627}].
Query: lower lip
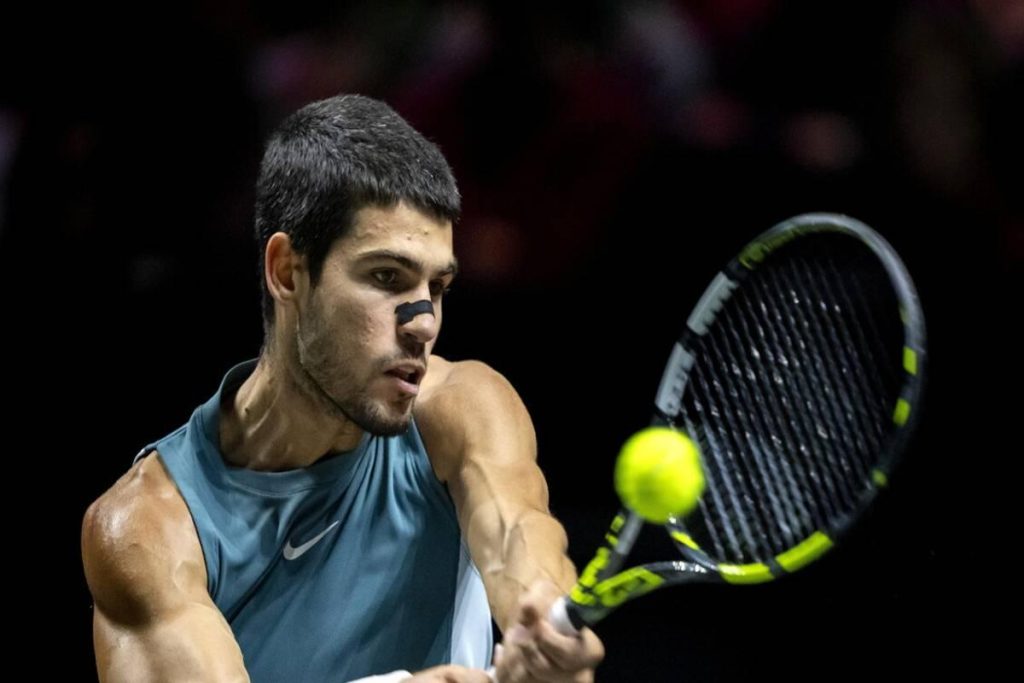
[{"x": 406, "y": 387}]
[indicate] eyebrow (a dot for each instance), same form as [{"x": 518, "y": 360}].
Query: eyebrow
[{"x": 404, "y": 260}]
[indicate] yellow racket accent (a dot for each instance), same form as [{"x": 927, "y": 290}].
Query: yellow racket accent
[
  {"x": 589, "y": 577},
  {"x": 901, "y": 413},
  {"x": 879, "y": 477},
  {"x": 685, "y": 539},
  {"x": 629, "y": 584},
  {"x": 910, "y": 360},
  {"x": 805, "y": 552},
  {"x": 745, "y": 573}
]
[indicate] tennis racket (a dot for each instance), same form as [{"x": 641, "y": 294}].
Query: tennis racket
[{"x": 798, "y": 375}]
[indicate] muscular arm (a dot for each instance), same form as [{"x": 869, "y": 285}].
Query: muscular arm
[
  {"x": 153, "y": 617},
  {"x": 483, "y": 446}
]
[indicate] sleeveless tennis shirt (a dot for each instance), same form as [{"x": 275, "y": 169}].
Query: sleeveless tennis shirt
[{"x": 350, "y": 567}]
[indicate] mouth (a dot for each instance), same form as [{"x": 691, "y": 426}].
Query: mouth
[{"x": 408, "y": 377}]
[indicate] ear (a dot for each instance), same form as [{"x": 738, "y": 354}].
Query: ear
[{"x": 285, "y": 270}]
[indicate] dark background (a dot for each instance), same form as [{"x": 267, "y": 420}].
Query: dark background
[{"x": 612, "y": 157}]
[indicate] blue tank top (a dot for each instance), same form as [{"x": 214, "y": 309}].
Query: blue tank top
[{"x": 350, "y": 567}]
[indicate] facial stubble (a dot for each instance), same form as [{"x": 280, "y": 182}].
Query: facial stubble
[{"x": 323, "y": 375}]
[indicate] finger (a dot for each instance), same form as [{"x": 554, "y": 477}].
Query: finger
[
  {"x": 512, "y": 669},
  {"x": 460, "y": 674},
  {"x": 537, "y": 664},
  {"x": 465, "y": 676},
  {"x": 477, "y": 676},
  {"x": 569, "y": 653}
]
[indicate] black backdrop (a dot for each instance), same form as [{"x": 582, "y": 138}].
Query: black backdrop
[{"x": 612, "y": 157}]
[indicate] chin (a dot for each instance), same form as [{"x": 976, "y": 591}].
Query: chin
[
  {"x": 387, "y": 428},
  {"x": 382, "y": 421}
]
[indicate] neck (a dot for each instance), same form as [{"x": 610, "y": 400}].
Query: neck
[{"x": 271, "y": 425}]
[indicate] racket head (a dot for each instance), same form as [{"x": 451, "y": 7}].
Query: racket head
[{"x": 799, "y": 374}]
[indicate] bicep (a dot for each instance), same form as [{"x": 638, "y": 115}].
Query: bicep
[
  {"x": 193, "y": 643},
  {"x": 153, "y": 617}
]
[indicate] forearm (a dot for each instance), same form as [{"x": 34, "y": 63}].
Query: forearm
[
  {"x": 532, "y": 546},
  {"x": 534, "y": 573},
  {"x": 486, "y": 451}
]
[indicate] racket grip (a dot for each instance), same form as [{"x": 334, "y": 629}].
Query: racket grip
[{"x": 565, "y": 618}]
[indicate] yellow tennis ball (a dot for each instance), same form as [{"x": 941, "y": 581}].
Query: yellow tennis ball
[{"x": 658, "y": 474}]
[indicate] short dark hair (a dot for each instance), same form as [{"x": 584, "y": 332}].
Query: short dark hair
[{"x": 336, "y": 156}]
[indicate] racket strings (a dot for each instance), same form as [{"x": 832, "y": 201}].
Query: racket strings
[
  {"x": 764, "y": 483},
  {"x": 758, "y": 474},
  {"x": 788, "y": 414},
  {"x": 740, "y": 506},
  {"x": 727, "y": 530},
  {"x": 789, "y": 408},
  {"x": 874, "y": 368},
  {"x": 867, "y": 335},
  {"x": 780, "y": 426},
  {"x": 859, "y": 391},
  {"x": 762, "y": 498},
  {"x": 829, "y": 399}
]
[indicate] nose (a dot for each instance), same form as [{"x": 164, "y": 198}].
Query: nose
[{"x": 417, "y": 320}]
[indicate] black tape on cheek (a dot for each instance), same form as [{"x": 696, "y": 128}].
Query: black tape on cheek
[{"x": 407, "y": 312}]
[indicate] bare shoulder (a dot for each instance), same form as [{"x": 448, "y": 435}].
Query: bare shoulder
[
  {"x": 465, "y": 394},
  {"x": 464, "y": 408},
  {"x": 445, "y": 377},
  {"x": 140, "y": 550}
]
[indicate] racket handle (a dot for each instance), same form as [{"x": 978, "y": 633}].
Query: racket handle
[{"x": 564, "y": 616}]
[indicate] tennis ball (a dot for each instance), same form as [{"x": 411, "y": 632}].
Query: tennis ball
[{"x": 658, "y": 474}]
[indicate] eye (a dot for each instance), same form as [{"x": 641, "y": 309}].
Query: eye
[
  {"x": 387, "y": 278},
  {"x": 438, "y": 289}
]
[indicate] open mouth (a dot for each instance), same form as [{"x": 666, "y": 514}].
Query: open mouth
[{"x": 409, "y": 377}]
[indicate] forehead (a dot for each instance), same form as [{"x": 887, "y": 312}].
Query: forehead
[{"x": 402, "y": 229}]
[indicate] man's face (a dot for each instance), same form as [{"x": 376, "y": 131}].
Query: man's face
[{"x": 353, "y": 352}]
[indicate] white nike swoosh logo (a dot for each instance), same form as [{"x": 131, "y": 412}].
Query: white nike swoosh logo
[{"x": 291, "y": 553}]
